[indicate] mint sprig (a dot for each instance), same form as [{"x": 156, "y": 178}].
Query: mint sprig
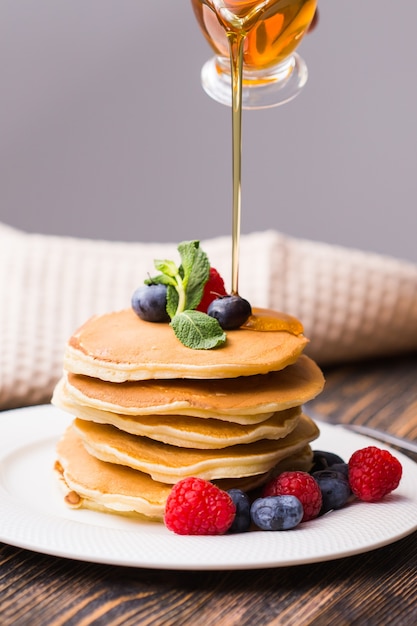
[
  {"x": 198, "y": 330},
  {"x": 185, "y": 286}
]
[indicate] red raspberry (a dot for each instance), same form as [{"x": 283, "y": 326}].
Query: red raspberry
[
  {"x": 373, "y": 473},
  {"x": 197, "y": 507},
  {"x": 213, "y": 288},
  {"x": 301, "y": 485}
]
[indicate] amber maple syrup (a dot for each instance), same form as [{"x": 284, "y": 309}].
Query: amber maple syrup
[
  {"x": 255, "y": 34},
  {"x": 270, "y": 320},
  {"x": 272, "y": 28}
]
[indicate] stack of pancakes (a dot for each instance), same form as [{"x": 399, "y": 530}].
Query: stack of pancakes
[{"x": 150, "y": 411}]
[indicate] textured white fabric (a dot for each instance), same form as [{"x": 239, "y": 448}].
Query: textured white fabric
[{"x": 352, "y": 304}]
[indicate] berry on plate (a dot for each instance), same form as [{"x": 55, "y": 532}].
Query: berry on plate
[
  {"x": 335, "y": 489},
  {"x": 242, "y": 520},
  {"x": 277, "y": 512},
  {"x": 324, "y": 460},
  {"x": 373, "y": 473},
  {"x": 302, "y": 486},
  {"x": 214, "y": 288},
  {"x": 197, "y": 507}
]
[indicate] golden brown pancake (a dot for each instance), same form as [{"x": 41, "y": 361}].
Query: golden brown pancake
[
  {"x": 119, "y": 346},
  {"x": 90, "y": 483},
  {"x": 150, "y": 411},
  {"x": 166, "y": 463},
  {"x": 302, "y": 460},
  {"x": 243, "y": 400},
  {"x": 186, "y": 431}
]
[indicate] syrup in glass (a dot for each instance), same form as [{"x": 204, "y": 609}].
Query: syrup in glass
[{"x": 272, "y": 28}]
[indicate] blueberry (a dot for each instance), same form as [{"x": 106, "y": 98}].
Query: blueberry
[
  {"x": 242, "y": 520},
  {"x": 277, "y": 512},
  {"x": 323, "y": 460},
  {"x": 342, "y": 468},
  {"x": 230, "y": 311},
  {"x": 334, "y": 488},
  {"x": 149, "y": 302}
]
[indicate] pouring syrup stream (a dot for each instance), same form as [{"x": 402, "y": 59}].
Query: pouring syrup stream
[
  {"x": 236, "y": 61},
  {"x": 237, "y": 28}
]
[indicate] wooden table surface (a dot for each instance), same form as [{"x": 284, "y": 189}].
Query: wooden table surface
[{"x": 376, "y": 588}]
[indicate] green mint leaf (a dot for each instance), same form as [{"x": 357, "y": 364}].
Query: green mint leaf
[
  {"x": 166, "y": 267},
  {"x": 195, "y": 268},
  {"x": 198, "y": 330},
  {"x": 172, "y": 300},
  {"x": 185, "y": 287},
  {"x": 161, "y": 279},
  {"x": 188, "y": 251}
]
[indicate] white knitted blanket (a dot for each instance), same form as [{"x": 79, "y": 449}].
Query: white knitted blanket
[{"x": 353, "y": 304}]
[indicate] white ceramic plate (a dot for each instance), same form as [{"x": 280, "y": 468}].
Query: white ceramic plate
[{"x": 34, "y": 516}]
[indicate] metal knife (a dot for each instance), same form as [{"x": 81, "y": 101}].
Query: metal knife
[{"x": 401, "y": 442}]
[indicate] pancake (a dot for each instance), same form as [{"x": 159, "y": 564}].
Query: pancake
[
  {"x": 301, "y": 460},
  {"x": 166, "y": 463},
  {"x": 186, "y": 431},
  {"x": 150, "y": 411},
  {"x": 90, "y": 483},
  {"x": 119, "y": 346},
  {"x": 242, "y": 400}
]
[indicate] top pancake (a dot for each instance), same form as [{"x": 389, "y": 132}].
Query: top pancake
[{"x": 119, "y": 347}]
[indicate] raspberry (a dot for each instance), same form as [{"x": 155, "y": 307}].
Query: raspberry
[
  {"x": 214, "y": 288},
  {"x": 197, "y": 507},
  {"x": 373, "y": 473},
  {"x": 301, "y": 485}
]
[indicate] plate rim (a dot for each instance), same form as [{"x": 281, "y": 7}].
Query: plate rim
[{"x": 14, "y": 514}]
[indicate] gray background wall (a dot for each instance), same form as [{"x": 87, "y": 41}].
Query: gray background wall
[{"x": 105, "y": 131}]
